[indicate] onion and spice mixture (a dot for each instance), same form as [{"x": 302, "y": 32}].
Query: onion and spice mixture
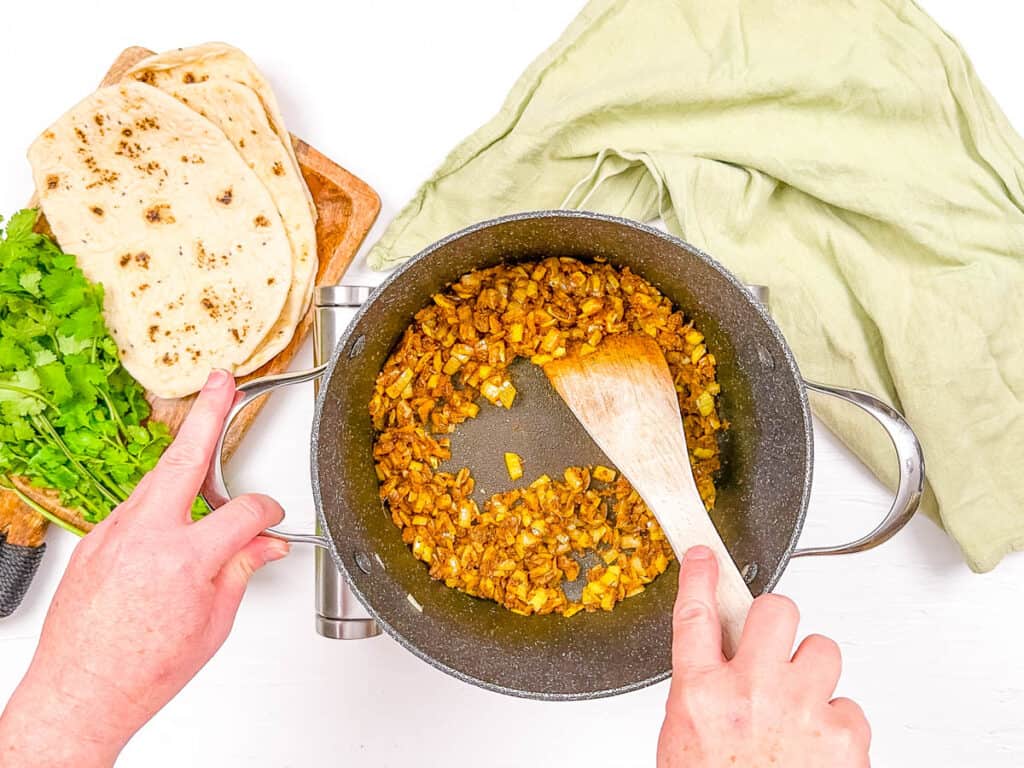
[{"x": 524, "y": 543}]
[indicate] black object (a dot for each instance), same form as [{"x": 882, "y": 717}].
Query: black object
[{"x": 18, "y": 564}]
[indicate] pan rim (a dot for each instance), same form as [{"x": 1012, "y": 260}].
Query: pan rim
[{"x": 790, "y": 366}]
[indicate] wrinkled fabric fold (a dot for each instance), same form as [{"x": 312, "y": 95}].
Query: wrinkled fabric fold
[{"x": 843, "y": 153}]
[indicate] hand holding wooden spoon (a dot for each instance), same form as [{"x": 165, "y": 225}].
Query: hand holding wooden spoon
[{"x": 624, "y": 397}]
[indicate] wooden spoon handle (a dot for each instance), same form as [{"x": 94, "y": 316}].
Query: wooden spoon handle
[{"x": 695, "y": 527}]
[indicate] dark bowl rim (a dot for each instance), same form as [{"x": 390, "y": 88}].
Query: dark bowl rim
[{"x": 395, "y": 276}]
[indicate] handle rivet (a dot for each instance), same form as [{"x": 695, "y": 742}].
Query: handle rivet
[
  {"x": 357, "y": 347},
  {"x": 749, "y": 572},
  {"x": 362, "y": 561}
]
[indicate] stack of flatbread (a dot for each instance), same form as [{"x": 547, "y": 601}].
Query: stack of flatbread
[{"x": 178, "y": 189}]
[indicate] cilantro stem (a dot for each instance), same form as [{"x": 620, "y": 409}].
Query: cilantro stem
[
  {"x": 47, "y": 427},
  {"x": 27, "y": 393},
  {"x": 89, "y": 506},
  {"x": 108, "y": 483},
  {"x": 41, "y": 510},
  {"x": 122, "y": 429},
  {"x": 127, "y": 490},
  {"x": 15, "y": 452},
  {"x": 121, "y": 446}
]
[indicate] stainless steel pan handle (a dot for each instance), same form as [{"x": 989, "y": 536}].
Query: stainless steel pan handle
[
  {"x": 911, "y": 463},
  {"x": 339, "y": 614},
  {"x": 908, "y": 453},
  {"x": 215, "y": 490}
]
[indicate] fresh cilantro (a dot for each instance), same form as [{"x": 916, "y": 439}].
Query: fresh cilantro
[{"x": 71, "y": 418}]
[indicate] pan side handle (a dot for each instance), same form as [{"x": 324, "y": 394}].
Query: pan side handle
[
  {"x": 215, "y": 490},
  {"x": 911, "y": 464},
  {"x": 908, "y": 453}
]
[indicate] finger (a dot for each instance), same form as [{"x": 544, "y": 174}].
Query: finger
[
  {"x": 226, "y": 530},
  {"x": 233, "y": 578},
  {"x": 176, "y": 479},
  {"x": 820, "y": 663},
  {"x": 696, "y": 630},
  {"x": 770, "y": 630},
  {"x": 852, "y": 718}
]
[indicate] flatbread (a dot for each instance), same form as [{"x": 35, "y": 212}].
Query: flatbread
[
  {"x": 159, "y": 207},
  {"x": 218, "y": 61},
  {"x": 236, "y": 110}
]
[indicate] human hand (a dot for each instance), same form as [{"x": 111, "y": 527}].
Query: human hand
[
  {"x": 762, "y": 708},
  {"x": 147, "y": 599}
]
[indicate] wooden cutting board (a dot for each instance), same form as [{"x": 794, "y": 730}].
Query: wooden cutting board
[{"x": 347, "y": 208}]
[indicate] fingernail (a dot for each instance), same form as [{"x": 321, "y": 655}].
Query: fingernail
[
  {"x": 275, "y": 551},
  {"x": 699, "y": 553},
  {"x": 218, "y": 378}
]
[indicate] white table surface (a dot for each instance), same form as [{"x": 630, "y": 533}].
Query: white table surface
[{"x": 931, "y": 650}]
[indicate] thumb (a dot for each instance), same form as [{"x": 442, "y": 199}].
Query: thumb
[
  {"x": 234, "y": 576},
  {"x": 696, "y": 630}
]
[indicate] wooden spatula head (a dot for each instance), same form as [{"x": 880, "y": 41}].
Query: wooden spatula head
[{"x": 624, "y": 397}]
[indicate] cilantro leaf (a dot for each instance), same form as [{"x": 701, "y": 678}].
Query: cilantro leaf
[{"x": 71, "y": 418}]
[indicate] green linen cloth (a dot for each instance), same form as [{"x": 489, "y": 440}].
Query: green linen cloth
[{"x": 842, "y": 152}]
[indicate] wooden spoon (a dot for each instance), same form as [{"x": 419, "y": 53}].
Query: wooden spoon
[{"x": 624, "y": 397}]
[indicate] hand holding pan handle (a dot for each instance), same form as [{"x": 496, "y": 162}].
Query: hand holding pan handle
[
  {"x": 339, "y": 614},
  {"x": 215, "y": 491},
  {"x": 911, "y": 462},
  {"x": 18, "y": 563}
]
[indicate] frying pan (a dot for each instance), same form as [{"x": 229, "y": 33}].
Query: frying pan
[{"x": 763, "y": 487}]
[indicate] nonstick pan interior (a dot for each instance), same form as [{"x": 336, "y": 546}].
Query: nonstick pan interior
[{"x": 763, "y": 487}]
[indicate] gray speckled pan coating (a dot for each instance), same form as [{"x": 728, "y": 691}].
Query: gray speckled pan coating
[{"x": 763, "y": 488}]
